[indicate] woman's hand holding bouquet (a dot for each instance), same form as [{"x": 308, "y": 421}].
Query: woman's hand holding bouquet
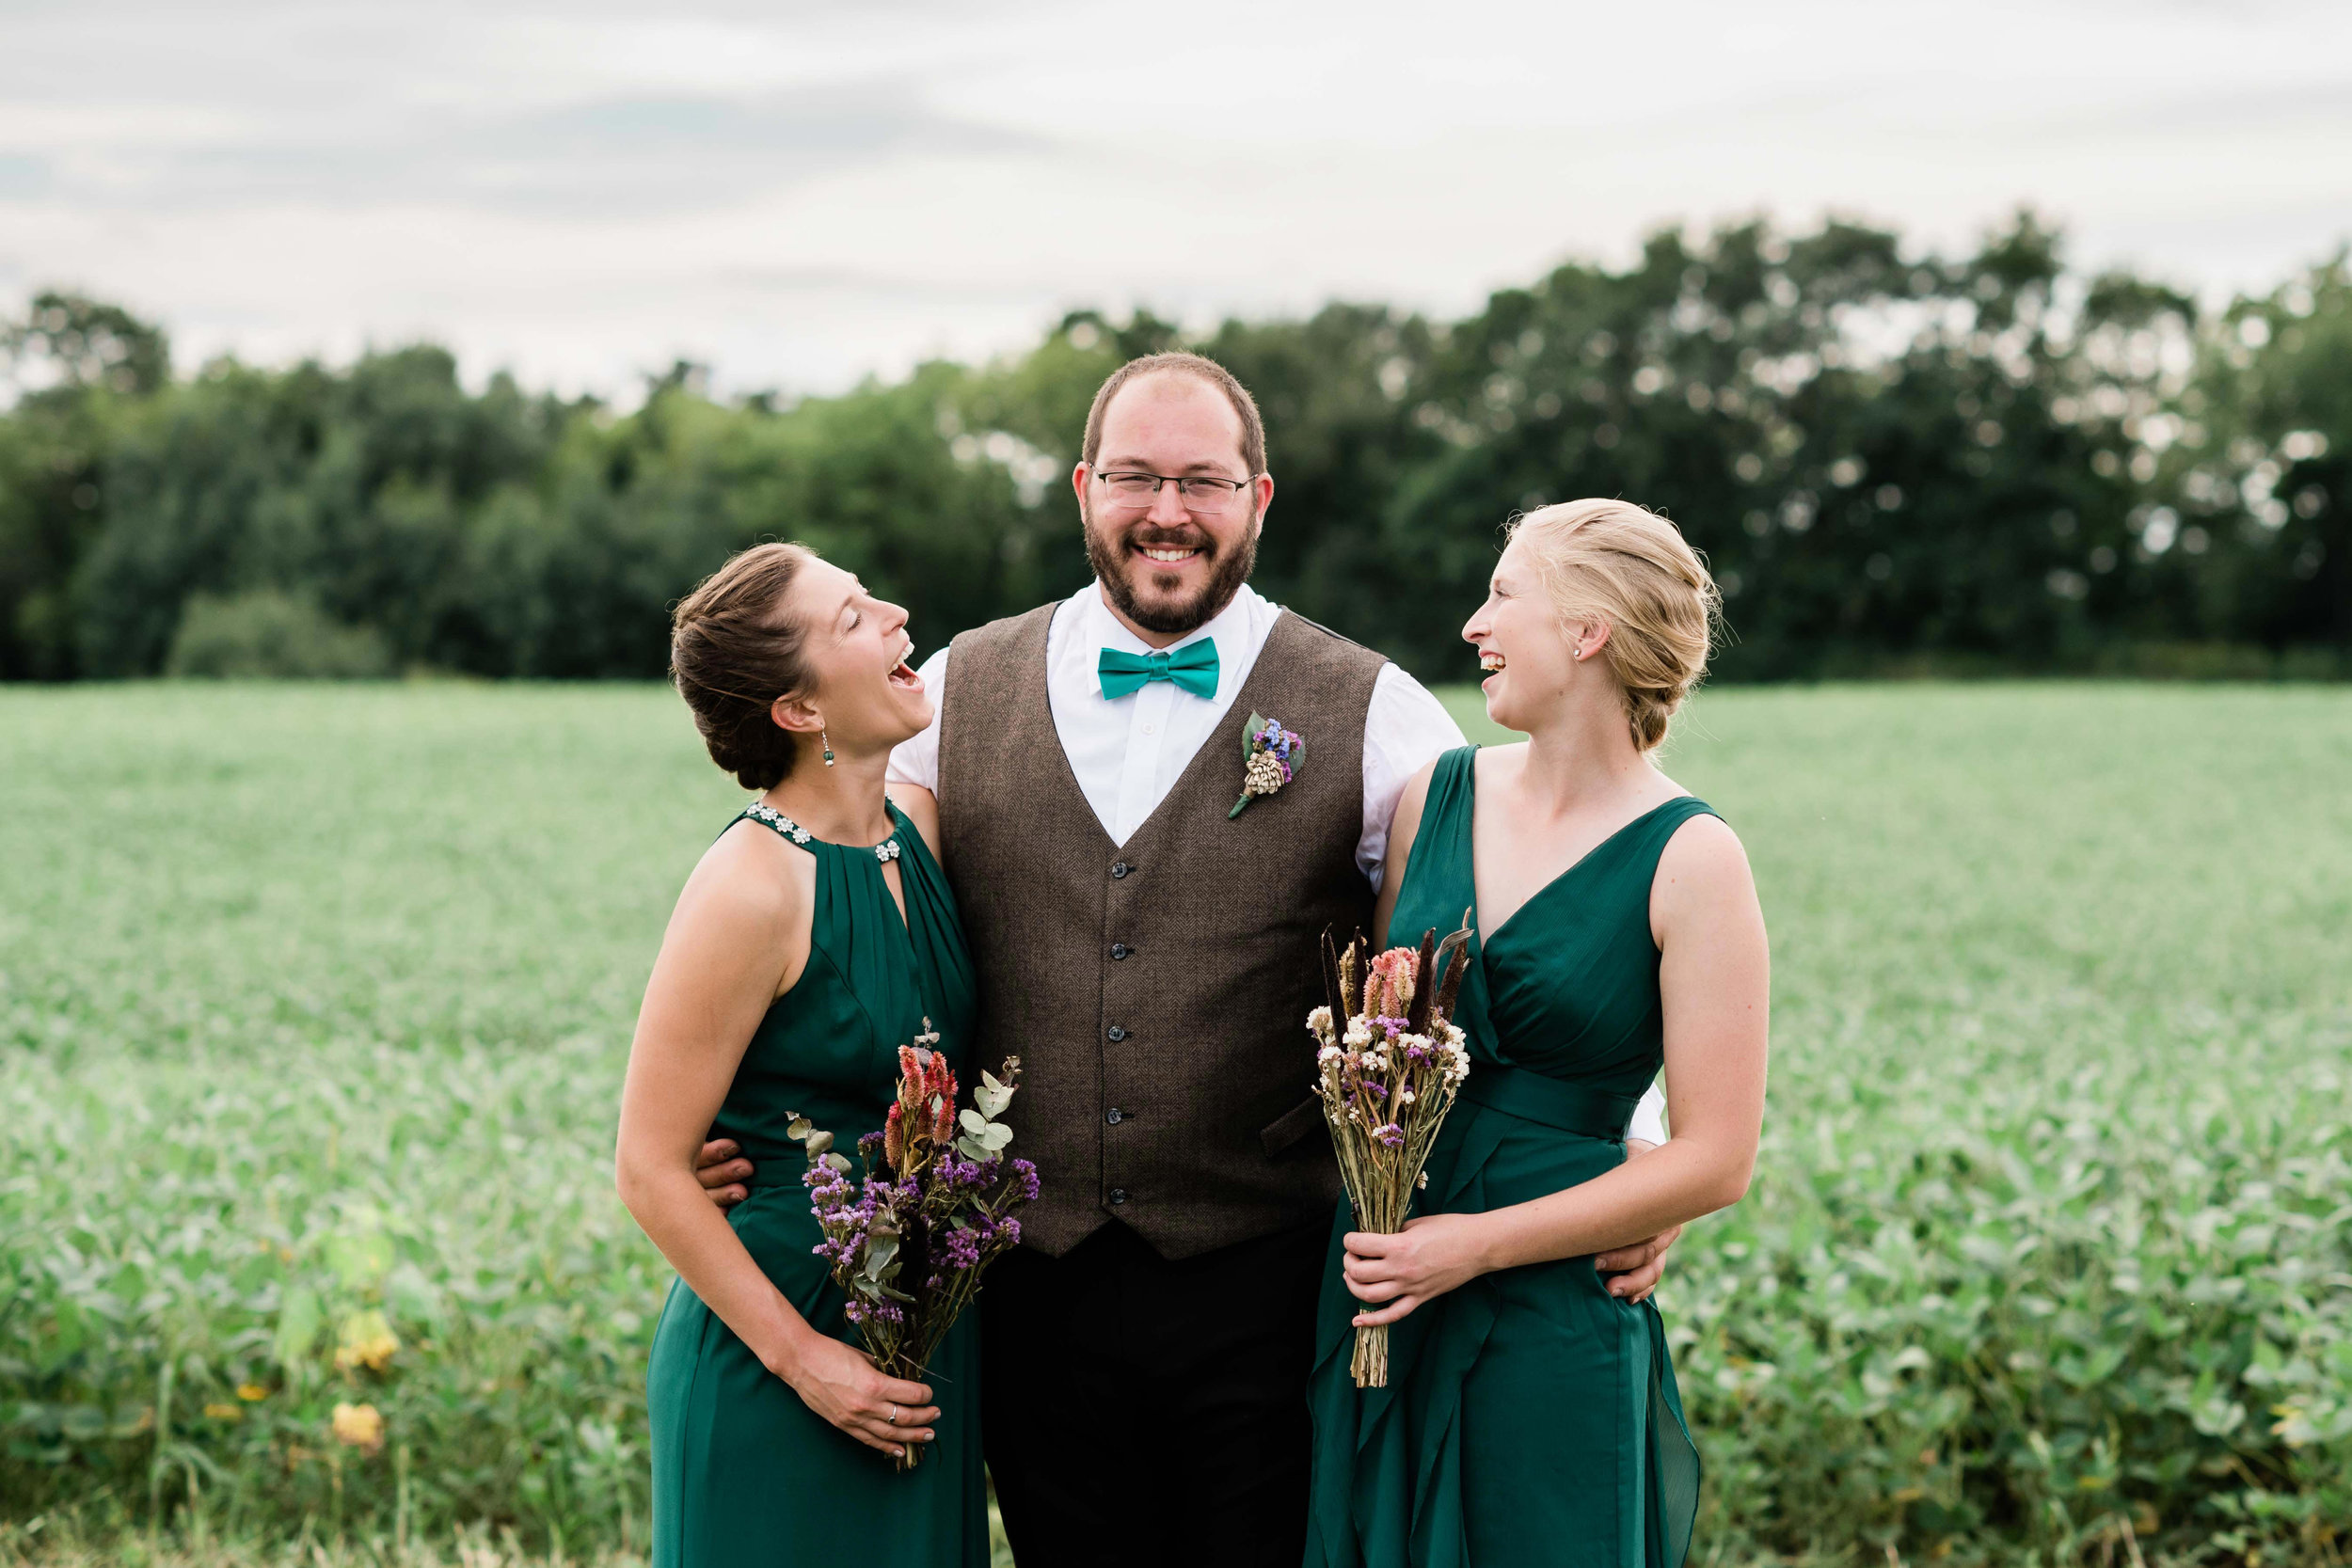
[
  {"x": 1390, "y": 1063},
  {"x": 907, "y": 1243}
]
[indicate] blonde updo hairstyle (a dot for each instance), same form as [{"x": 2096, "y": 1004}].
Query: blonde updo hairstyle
[{"x": 1613, "y": 562}]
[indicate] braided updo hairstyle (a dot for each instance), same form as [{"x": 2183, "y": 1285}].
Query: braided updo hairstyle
[
  {"x": 1614, "y": 561},
  {"x": 734, "y": 650}
]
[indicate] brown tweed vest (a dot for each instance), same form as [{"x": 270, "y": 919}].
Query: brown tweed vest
[{"x": 1157, "y": 991}]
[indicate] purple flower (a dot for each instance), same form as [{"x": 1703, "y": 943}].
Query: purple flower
[
  {"x": 1026, "y": 1174},
  {"x": 1391, "y": 1136},
  {"x": 957, "y": 1248}
]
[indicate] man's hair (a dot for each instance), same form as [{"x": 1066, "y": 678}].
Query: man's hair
[{"x": 1201, "y": 369}]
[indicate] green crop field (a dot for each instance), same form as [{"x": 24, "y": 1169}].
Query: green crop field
[{"x": 313, "y": 1002}]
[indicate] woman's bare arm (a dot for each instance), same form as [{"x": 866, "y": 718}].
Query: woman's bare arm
[
  {"x": 738, "y": 936},
  {"x": 1714, "y": 981}
]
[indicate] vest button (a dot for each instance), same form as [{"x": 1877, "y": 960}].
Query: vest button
[
  {"x": 1114, "y": 1116},
  {"x": 1118, "y": 1033},
  {"x": 1119, "y": 949},
  {"x": 1121, "y": 869},
  {"x": 1118, "y": 1196}
]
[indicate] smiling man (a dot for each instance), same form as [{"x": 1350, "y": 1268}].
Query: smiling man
[{"x": 1151, "y": 957}]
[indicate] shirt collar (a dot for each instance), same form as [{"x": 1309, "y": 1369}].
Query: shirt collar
[{"x": 1099, "y": 629}]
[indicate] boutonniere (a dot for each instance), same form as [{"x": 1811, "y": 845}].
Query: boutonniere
[{"x": 1271, "y": 756}]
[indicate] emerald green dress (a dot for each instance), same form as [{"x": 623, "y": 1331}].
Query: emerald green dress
[
  {"x": 1531, "y": 1417},
  {"x": 744, "y": 1474}
]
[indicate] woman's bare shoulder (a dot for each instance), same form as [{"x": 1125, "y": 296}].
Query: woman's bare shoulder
[{"x": 749, "y": 878}]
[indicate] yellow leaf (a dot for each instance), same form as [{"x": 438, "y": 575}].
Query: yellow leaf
[
  {"x": 358, "y": 1426},
  {"x": 367, "y": 1340}
]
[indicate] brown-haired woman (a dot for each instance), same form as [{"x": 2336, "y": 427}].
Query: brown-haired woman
[
  {"x": 1532, "y": 1415},
  {"x": 813, "y": 939}
]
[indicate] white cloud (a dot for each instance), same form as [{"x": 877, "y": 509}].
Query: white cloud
[{"x": 802, "y": 194}]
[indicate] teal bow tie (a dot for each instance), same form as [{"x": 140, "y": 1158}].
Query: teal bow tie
[{"x": 1192, "y": 666}]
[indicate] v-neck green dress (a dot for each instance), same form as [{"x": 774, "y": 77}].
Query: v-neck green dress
[
  {"x": 1531, "y": 1417},
  {"x": 744, "y": 1474}
]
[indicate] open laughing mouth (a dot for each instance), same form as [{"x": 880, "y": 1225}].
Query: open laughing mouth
[
  {"x": 1491, "y": 661},
  {"x": 902, "y": 675}
]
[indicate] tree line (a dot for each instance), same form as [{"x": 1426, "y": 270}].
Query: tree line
[{"x": 1896, "y": 461}]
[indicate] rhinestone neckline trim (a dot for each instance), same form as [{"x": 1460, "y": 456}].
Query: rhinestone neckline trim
[{"x": 885, "y": 852}]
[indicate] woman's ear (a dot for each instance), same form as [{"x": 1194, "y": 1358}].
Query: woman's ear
[
  {"x": 1591, "y": 638},
  {"x": 795, "y": 716}
]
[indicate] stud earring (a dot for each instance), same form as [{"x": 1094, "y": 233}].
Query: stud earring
[{"x": 827, "y": 741}]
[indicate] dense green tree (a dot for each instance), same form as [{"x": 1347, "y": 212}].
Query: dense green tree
[{"x": 1892, "y": 459}]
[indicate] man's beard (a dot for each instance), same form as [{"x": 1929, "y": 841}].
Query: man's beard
[{"x": 1113, "y": 566}]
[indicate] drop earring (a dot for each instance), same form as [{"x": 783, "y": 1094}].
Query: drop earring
[{"x": 827, "y": 741}]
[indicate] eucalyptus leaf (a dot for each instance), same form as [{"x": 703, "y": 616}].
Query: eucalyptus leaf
[
  {"x": 972, "y": 1122},
  {"x": 839, "y": 1162},
  {"x": 991, "y": 1096},
  {"x": 819, "y": 1142}
]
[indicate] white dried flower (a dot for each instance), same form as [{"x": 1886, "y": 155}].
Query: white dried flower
[{"x": 1320, "y": 1021}]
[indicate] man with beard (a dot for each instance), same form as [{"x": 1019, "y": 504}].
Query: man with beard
[{"x": 1151, "y": 957}]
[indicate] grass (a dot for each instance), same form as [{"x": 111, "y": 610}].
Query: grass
[{"x": 313, "y": 1001}]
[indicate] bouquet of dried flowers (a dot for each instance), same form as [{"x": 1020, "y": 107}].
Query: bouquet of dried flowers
[
  {"x": 909, "y": 1241},
  {"x": 1390, "y": 1063}
]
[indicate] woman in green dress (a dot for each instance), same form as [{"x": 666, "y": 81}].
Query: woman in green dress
[
  {"x": 815, "y": 937},
  {"x": 1531, "y": 1415}
]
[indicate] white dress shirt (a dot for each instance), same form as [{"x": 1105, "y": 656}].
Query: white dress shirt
[{"x": 1127, "y": 752}]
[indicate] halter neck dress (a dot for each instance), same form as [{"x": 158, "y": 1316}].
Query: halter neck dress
[
  {"x": 744, "y": 1474},
  {"x": 1531, "y": 1417}
]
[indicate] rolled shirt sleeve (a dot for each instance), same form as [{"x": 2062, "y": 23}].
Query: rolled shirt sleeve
[{"x": 1406, "y": 729}]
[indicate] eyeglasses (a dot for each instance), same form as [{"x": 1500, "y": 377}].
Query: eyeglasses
[{"x": 1199, "y": 492}]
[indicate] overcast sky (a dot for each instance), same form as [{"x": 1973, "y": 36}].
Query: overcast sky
[{"x": 800, "y": 194}]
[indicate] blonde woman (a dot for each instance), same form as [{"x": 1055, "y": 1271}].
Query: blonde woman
[{"x": 1532, "y": 1415}]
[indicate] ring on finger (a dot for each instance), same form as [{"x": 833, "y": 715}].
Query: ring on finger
[{"x": 893, "y": 1416}]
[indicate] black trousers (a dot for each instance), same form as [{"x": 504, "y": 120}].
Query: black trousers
[{"x": 1137, "y": 1411}]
